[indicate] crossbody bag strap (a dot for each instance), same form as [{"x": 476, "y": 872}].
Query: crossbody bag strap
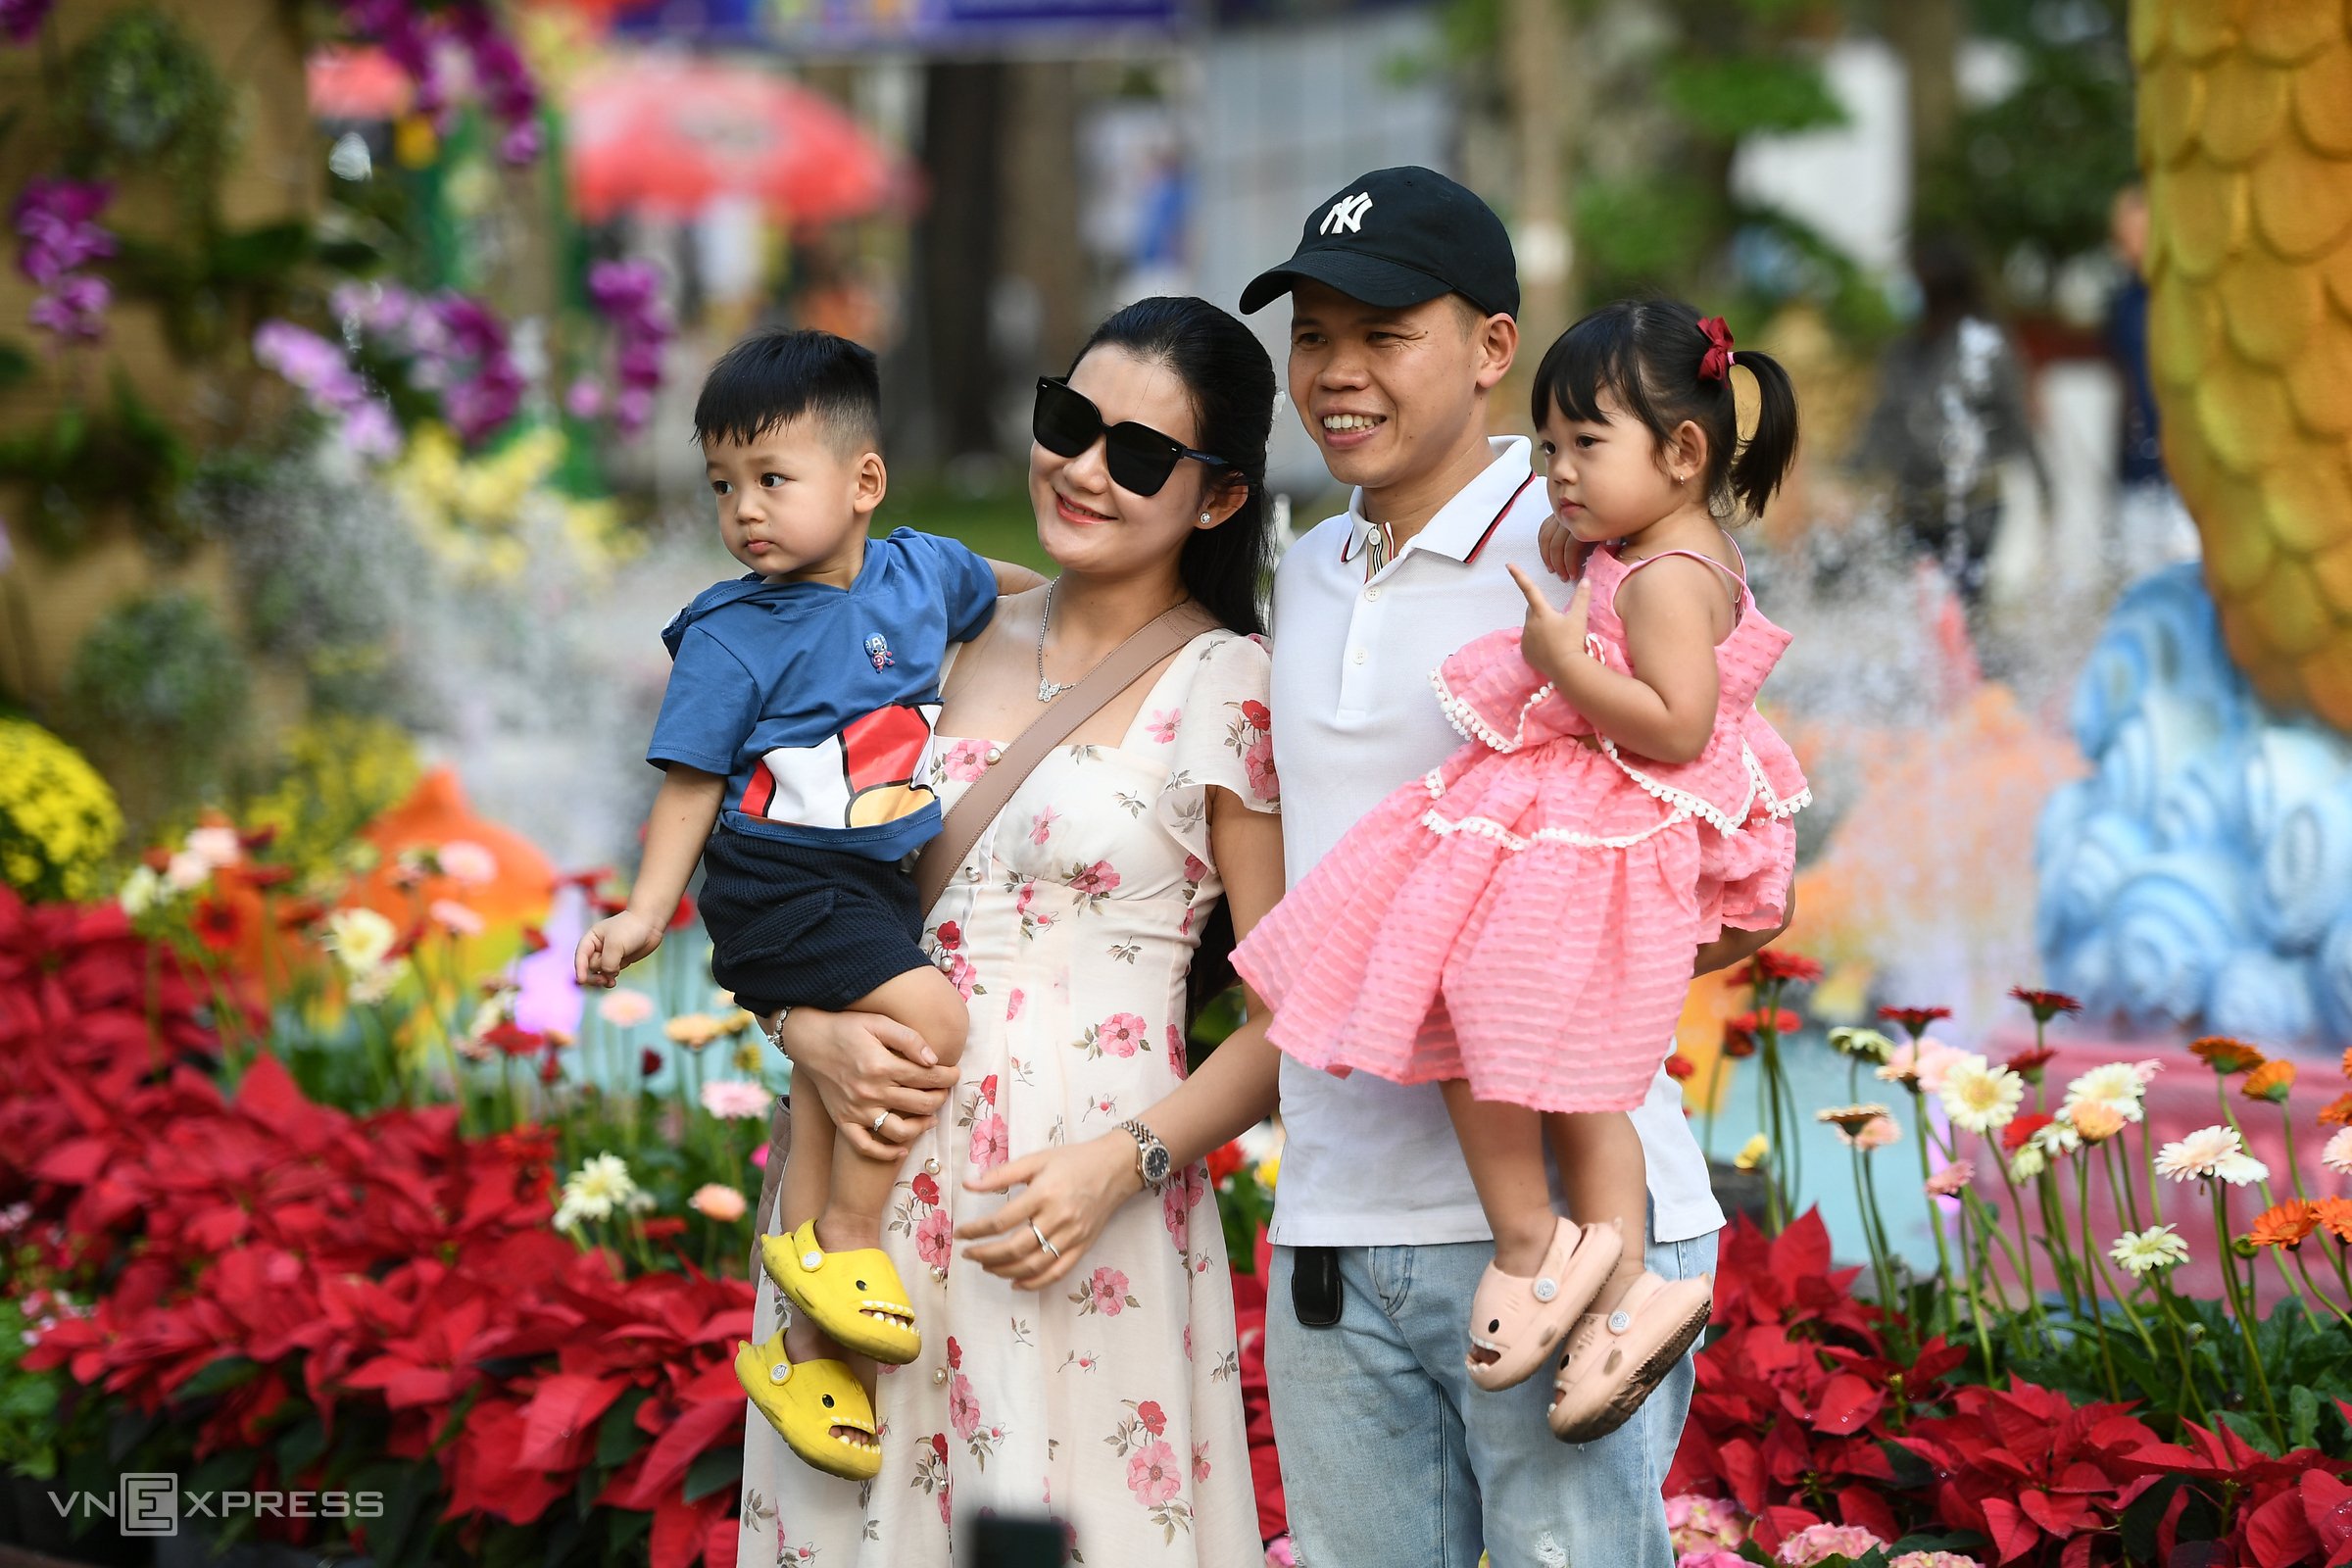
[{"x": 1120, "y": 668}]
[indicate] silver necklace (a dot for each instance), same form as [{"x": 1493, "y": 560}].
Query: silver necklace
[{"x": 1047, "y": 690}]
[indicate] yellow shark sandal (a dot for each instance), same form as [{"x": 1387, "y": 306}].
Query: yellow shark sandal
[
  {"x": 817, "y": 1408},
  {"x": 855, "y": 1297}
]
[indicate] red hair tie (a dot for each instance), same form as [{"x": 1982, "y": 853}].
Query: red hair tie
[{"x": 1717, "y": 366}]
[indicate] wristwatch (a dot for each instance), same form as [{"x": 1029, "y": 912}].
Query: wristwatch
[{"x": 1152, "y": 1161}]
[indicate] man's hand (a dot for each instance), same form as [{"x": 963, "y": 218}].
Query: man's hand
[
  {"x": 611, "y": 946},
  {"x": 1552, "y": 638}
]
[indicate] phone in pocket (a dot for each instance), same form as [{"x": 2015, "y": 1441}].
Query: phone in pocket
[{"x": 1315, "y": 1286}]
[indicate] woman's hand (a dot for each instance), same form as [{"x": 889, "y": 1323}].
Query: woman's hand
[
  {"x": 1069, "y": 1193},
  {"x": 863, "y": 1065}
]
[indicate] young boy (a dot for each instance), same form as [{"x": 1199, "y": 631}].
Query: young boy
[{"x": 796, "y": 737}]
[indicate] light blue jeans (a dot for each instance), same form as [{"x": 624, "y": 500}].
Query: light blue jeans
[{"x": 1390, "y": 1455}]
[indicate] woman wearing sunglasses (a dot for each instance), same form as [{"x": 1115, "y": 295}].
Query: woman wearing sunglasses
[{"x": 1055, "y": 1222}]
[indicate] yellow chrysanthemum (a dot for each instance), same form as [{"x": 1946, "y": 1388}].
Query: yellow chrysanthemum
[{"x": 58, "y": 820}]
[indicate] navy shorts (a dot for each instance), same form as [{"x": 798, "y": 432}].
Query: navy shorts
[{"x": 796, "y": 926}]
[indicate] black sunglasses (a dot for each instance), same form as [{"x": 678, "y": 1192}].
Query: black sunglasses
[{"x": 1140, "y": 459}]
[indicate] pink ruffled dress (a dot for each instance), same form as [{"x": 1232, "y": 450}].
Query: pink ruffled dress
[{"x": 1524, "y": 917}]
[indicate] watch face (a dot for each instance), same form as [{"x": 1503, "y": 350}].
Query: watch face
[{"x": 1155, "y": 1163}]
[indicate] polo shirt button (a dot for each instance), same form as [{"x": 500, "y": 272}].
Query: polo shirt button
[
  {"x": 996, "y": 754},
  {"x": 1371, "y": 592},
  {"x": 1360, "y": 656}
]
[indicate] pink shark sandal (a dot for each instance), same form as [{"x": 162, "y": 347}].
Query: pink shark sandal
[
  {"x": 1518, "y": 1320},
  {"x": 1614, "y": 1361}
]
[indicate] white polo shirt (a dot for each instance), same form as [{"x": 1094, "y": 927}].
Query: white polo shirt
[{"x": 1367, "y": 1162}]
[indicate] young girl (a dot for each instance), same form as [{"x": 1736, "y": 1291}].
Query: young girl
[{"x": 1520, "y": 924}]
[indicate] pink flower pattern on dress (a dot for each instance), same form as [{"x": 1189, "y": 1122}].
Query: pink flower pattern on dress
[
  {"x": 1120, "y": 1034},
  {"x": 963, "y": 1409},
  {"x": 1154, "y": 1475},
  {"x": 964, "y": 762},
  {"x": 935, "y": 1239},
  {"x": 1041, "y": 826},
  {"x": 989, "y": 1146},
  {"x": 1097, "y": 908}
]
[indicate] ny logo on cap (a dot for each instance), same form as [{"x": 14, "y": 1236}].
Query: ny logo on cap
[{"x": 1347, "y": 215}]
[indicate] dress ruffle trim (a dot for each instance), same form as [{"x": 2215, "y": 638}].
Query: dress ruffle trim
[
  {"x": 1684, "y": 806},
  {"x": 1469, "y": 723}
]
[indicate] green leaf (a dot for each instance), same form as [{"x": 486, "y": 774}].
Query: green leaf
[
  {"x": 224, "y": 1472},
  {"x": 2247, "y": 1425},
  {"x": 2302, "y": 1417},
  {"x": 301, "y": 1447},
  {"x": 617, "y": 1436},
  {"x": 219, "y": 1378},
  {"x": 1728, "y": 99},
  {"x": 2140, "y": 1521},
  {"x": 721, "y": 1468}
]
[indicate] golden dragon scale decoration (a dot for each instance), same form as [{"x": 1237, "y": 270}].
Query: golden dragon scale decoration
[{"x": 2245, "y": 134}]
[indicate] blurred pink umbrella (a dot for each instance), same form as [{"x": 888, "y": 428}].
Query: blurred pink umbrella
[{"x": 665, "y": 136}]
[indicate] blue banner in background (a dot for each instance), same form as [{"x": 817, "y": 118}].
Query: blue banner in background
[{"x": 948, "y": 25}]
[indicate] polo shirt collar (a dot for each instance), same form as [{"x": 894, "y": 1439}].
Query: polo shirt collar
[{"x": 1462, "y": 524}]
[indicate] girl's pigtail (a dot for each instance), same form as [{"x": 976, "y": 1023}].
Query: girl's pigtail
[{"x": 1763, "y": 462}]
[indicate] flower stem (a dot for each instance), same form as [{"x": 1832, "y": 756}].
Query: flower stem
[
  {"x": 1943, "y": 1256},
  {"x": 2090, "y": 1277},
  {"x": 2243, "y": 1306}
]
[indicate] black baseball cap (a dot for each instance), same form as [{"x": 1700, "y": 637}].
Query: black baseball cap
[{"x": 1396, "y": 237}]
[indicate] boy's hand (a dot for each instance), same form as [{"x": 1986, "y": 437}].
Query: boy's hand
[
  {"x": 1561, "y": 550},
  {"x": 611, "y": 946},
  {"x": 1553, "y": 639}
]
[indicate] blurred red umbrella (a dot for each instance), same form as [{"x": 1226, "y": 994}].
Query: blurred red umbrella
[
  {"x": 358, "y": 83},
  {"x": 668, "y": 135}
]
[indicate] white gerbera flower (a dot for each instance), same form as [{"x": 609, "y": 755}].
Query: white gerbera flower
[
  {"x": 2120, "y": 1086},
  {"x": 2028, "y": 1162},
  {"x": 2211, "y": 1153},
  {"x": 595, "y": 1190},
  {"x": 1979, "y": 1096},
  {"x": 2337, "y": 1155},
  {"x": 361, "y": 938},
  {"x": 2144, "y": 1251}
]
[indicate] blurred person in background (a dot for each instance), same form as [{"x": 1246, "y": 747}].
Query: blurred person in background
[
  {"x": 2152, "y": 528},
  {"x": 1951, "y": 412}
]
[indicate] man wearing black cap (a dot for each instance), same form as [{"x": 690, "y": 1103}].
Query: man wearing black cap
[{"x": 1403, "y": 294}]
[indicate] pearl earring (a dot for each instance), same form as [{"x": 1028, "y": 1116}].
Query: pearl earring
[{"x": 1204, "y": 516}]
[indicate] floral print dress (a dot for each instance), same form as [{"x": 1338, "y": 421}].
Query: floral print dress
[{"x": 1112, "y": 1399}]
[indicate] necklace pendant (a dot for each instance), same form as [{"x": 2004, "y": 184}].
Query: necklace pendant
[{"x": 1047, "y": 690}]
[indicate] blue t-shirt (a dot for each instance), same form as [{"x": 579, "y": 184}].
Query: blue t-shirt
[{"x": 816, "y": 702}]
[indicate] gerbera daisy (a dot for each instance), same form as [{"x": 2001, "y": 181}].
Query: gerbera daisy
[
  {"x": 2144, "y": 1251},
  {"x": 2272, "y": 1081},
  {"x": 2117, "y": 1085},
  {"x": 2337, "y": 1112},
  {"x": 2095, "y": 1123},
  {"x": 1870, "y": 1045},
  {"x": 2014, "y": 1135},
  {"x": 2223, "y": 1054},
  {"x": 2334, "y": 1216},
  {"x": 2029, "y": 1063},
  {"x": 2337, "y": 1155},
  {"x": 1772, "y": 964},
  {"x": 1979, "y": 1096},
  {"x": 2284, "y": 1225},
  {"x": 2210, "y": 1152},
  {"x": 1914, "y": 1019},
  {"x": 1952, "y": 1179},
  {"x": 2045, "y": 1004},
  {"x": 1851, "y": 1119}
]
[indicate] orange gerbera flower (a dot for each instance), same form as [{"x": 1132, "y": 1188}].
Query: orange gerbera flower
[
  {"x": 2336, "y": 1215},
  {"x": 2096, "y": 1122},
  {"x": 2285, "y": 1225},
  {"x": 2337, "y": 1112},
  {"x": 2272, "y": 1081},
  {"x": 2223, "y": 1054}
]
